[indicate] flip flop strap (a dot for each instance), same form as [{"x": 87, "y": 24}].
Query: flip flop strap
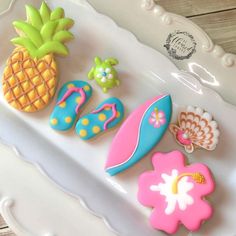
[
  {"x": 114, "y": 113},
  {"x": 74, "y": 90}
]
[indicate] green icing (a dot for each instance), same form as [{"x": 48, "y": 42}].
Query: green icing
[
  {"x": 45, "y": 12},
  {"x": 104, "y": 73},
  {"x": 44, "y": 32},
  {"x": 34, "y": 17},
  {"x": 58, "y": 13}
]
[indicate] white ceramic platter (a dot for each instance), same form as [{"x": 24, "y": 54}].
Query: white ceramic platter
[
  {"x": 76, "y": 166},
  {"x": 177, "y": 37}
]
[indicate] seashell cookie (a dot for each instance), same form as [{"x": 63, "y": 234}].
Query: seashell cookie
[{"x": 195, "y": 129}]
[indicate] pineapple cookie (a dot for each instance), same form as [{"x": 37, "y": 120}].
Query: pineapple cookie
[{"x": 30, "y": 77}]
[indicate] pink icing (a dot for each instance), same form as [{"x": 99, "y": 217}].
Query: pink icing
[
  {"x": 119, "y": 149},
  {"x": 182, "y": 139},
  {"x": 195, "y": 213},
  {"x": 114, "y": 113},
  {"x": 74, "y": 90}
]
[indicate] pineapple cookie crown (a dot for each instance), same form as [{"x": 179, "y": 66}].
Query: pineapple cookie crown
[{"x": 44, "y": 32}]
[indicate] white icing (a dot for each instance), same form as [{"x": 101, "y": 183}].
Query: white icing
[
  {"x": 103, "y": 80},
  {"x": 181, "y": 197}
]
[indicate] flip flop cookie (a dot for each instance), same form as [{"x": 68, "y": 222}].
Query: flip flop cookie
[
  {"x": 107, "y": 115},
  {"x": 71, "y": 98}
]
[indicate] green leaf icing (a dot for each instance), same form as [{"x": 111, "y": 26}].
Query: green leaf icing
[
  {"x": 44, "y": 32},
  {"x": 45, "y": 12},
  {"x": 33, "y": 17},
  {"x": 47, "y": 30},
  {"x": 63, "y": 36},
  {"x": 58, "y": 13},
  {"x": 30, "y": 32}
]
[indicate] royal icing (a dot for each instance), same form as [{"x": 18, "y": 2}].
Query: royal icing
[
  {"x": 141, "y": 131},
  {"x": 30, "y": 76},
  {"x": 71, "y": 98},
  {"x": 104, "y": 73},
  {"x": 107, "y": 115},
  {"x": 176, "y": 192},
  {"x": 195, "y": 128}
]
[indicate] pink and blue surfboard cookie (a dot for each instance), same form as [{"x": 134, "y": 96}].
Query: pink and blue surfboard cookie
[
  {"x": 107, "y": 115},
  {"x": 141, "y": 131},
  {"x": 71, "y": 98}
]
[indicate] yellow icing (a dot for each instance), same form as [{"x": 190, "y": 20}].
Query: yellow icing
[
  {"x": 118, "y": 114},
  {"x": 86, "y": 88},
  {"x": 62, "y": 105},
  {"x": 54, "y": 121},
  {"x": 68, "y": 119},
  {"x": 102, "y": 117},
  {"x": 85, "y": 121},
  {"x": 83, "y": 133},
  {"x": 70, "y": 86},
  {"x": 96, "y": 129},
  {"x": 78, "y": 99}
]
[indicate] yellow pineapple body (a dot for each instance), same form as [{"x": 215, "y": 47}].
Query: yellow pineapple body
[{"x": 29, "y": 84}]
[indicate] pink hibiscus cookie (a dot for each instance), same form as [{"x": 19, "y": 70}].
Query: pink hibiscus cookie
[{"x": 176, "y": 192}]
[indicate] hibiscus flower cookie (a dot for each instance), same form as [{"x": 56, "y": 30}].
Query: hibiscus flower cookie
[{"x": 176, "y": 192}]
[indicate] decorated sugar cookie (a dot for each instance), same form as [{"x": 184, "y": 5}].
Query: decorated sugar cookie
[
  {"x": 71, "y": 98},
  {"x": 107, "y": 115},
  {"x": 139, "y": 133},
  {"x": 30, "y": 77},
  {"x": 176, "y": 192},
  {"x": 195, "y": 129},
  {"x": 104, "y": 73}
]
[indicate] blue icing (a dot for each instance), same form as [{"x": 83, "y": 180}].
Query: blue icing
[
  {"x": 63, "y": 116},
  {"x": 149, "y": 136},
  {"x": 91, "y": 124}
]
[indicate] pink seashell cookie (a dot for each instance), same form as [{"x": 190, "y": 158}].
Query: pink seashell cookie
[
  {"x": 176, "y": 192},
  {"x": 195, "y": 129}
]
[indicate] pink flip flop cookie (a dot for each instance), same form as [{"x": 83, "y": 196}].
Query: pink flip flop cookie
[{"x": 176, "y": 192}]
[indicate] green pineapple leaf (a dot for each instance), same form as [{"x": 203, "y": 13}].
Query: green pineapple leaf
[
  {"x": 56, "y": 14},
  {"x": 27, "y": 43},
  {"x": 48, "y": 30},
  {"x": 64, "y": 23},
  {"x": 44, "y": 32},
  {"x": 45, "y": 12},
  {"x": 33, "y": 17},
  {"x": 30, "y": 32},
  {"x": 63, "y": 36},
  {"x": 52, "y": 47}
]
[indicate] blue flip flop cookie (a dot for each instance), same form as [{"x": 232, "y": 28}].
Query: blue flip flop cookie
[
  {"x": 107, "y": 115},
  {"x": 71, "y": 98}
]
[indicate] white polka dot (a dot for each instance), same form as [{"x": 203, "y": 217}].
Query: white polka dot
[
  {"x": 108, "y": 70},
  {"x": 103, "y": 80}
]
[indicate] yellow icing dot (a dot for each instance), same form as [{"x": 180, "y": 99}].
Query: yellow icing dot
[
  {"x": 82, "y": 133},
  {"x": 85, "y": 121},
  {"x": 78, "y": 99},
  {"x": 54, "y": 121},
  {"x": 86, "y": 88},
  {"x": 102, "y": 117},
  {"x": 68, "y": 119},
  {"x": 96, "y": 129},
  {"x": 117, "y": 114},
  {"x": 62, "y": 105},
  {"x": 70, "y": 86}
]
